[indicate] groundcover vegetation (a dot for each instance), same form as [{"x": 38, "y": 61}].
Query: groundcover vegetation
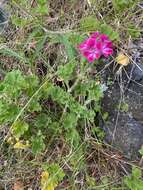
[{"x": 51, "y": 92}]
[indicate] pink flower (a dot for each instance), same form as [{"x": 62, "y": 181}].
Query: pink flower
[{"x": 95, "y": 46}]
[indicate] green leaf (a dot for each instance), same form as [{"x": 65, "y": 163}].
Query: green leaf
[
  {"x": 136, "y": 172},
  {"x": 108, "y": 30},
  {"x": 54, "y": 128},
  {"x": 141, "y": 150},
  {"x": 122, "y": 5},
  {"x": 94, "y": 91},
  {"x": 105, "y": 116},
  {"x": 76, "y": 39},
  {"x": 73, "y": 137},
  {"x": 41, "y": 43},
  {"x": 134, "y": 181},
  {"x": 65, "y": 98},
  {"x": 13, "y": 83},
  {"x": 81, "y": 89},
  {"x": 97, "y": 131},
  {"x": 68, "y": 46},
  {"x": 8, "y": 112},
  {"x": 19, "y": 128},
  {"x": 42, "y": 2},
  {"x": 41, "y": 9},
  {"x": 65, "y": 72},
  {"x": 34, "y": 105},
  {"x": 69, "y": 120},
  {"x": 11, "y": 53},
  {"x": 32, "y": 83},
  {"x": 55, "y": 168},
  {"x": 123, "y": 107},
  {"x": 134, "y": 31},
  {"x": 38, "y": 143},
  {"x": 91, "y": 181},
  {"x": 20, "y": 22},
  {"x": 89, "y": 23},
  {"x": 42, "y": 121},
  {"x": 56, "y": 173}
]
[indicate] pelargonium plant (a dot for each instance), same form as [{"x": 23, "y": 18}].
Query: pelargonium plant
[{"x": 95, "y": 46}]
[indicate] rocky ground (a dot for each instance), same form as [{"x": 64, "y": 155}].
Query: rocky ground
[{"x": 123, "y": 101}]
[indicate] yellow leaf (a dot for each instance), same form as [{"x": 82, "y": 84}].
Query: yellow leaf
[
  {"x": 44, "y": 177},
  {"x": 10, "y": 140},
  {"x": 122, "y": 59},
  {"x": 46, "y": 184},
  {"x": 20, "y": 145}
]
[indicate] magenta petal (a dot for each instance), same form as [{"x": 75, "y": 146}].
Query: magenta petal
[
  {"x": 90, "y": 58},
  {"x": 98, "y": 45},
  {"x": 95, "y": 34},
  {"x": 86, "y": 53},
  {"x": 107, "y": 51},
  {"x": 91, "y": 42},
  {"x": 95, "y": 46},
  {"x": 103, "y": 37},
  {"x": 108, "y": 43},
  {"x": 83, "y": 46},
  {"x": 87, "y": 44},
  {"x": 97, "y": 55},
  {"x": 91, "y": 55}
]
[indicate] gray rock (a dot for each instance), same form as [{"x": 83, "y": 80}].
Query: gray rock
[
  {"x": 124, "y": 129},
  {"x": 3, "y": 19},
  {"x": 135, "y": 71},
  {"x": 126, "y": 135}
]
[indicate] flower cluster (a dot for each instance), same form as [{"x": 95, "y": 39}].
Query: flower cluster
[{"x": 95, "y": 46}]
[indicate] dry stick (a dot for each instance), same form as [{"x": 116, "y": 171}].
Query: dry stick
[
  {"x": 89, "y": 3},
  {"x": 105, "y": 185},
  {"x": 32, "y": 3},
  {"x": 130, "y": 77},
  {"x": 117, "y": 118},
  {"x": 106, "y": 66},
  {"x": 115, "y": 158}
]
